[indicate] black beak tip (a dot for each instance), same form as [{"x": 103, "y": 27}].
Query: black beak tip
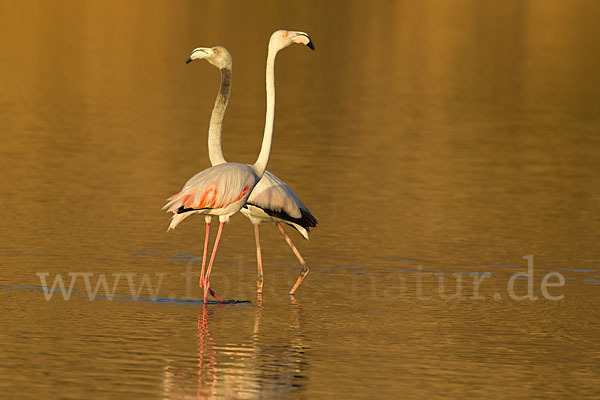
[
  {"x": 310, "y": 44},
  {"x": 189, "y": 60}
]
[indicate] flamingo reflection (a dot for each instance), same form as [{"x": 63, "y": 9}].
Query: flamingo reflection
[{"x": 255, "y": 360}]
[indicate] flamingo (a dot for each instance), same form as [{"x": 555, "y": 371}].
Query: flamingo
[
  {"x": 222, "y": 190},
  {"x": 271, "y": 200}
]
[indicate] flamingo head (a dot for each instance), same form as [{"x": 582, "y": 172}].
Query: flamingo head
[
  {"x": 282, "y": 39},
  {"x": 217, "y": 56}
]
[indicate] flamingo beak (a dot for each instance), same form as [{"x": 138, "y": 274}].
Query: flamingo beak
[
  {"x": 199, "y": 53},
  {"x": 304, "y": 39}
]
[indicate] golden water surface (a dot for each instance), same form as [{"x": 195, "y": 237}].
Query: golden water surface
[{"x": 437, "y": 142}]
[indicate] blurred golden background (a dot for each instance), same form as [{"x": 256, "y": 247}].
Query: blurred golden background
[{"x": 455, "y": 135}]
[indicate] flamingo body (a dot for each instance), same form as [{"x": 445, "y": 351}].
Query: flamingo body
[
  {"x": 272, "y": 200},
  {"x": 221, "y": 191}
]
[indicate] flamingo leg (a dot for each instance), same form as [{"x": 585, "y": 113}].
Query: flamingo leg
[
  {"x": 260, "y": 279},
  {"x": 201, "y": 282},
  {"x": 210, "y": 265},
  {"x": 305, "y": 269}
]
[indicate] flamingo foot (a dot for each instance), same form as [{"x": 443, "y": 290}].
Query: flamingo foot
[
  {"x": 216, "y": 296},
  {"x": 207, "y": 291}
]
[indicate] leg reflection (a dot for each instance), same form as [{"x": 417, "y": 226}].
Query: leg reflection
[
  {"x": 259, "y": 352},
  {"x": 207, "y": 359}
]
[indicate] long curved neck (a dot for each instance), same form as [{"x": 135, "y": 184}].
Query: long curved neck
[
  {"x": 265, "y": 151},
  {"x": 215, "y": 150}
]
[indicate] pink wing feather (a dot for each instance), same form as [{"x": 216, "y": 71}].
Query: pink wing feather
[{"x": 211, "y": 191}]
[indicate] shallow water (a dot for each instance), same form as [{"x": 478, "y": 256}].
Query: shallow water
[{"x": 437, "y": 143}]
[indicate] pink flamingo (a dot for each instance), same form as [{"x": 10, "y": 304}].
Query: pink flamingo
[
  {"x": 222, "y": 190},
  {"x": 271, "y": 200}
]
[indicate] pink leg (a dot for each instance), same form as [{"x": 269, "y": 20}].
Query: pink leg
[
  {"x": 201, "y": 282},
  {"x": 210, "y": 265},
  {"x": 305, "y": 268},
  {"x": 260, "y": 279}
]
